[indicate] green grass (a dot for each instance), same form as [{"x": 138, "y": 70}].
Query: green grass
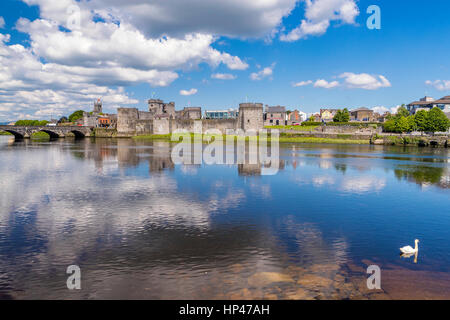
[
  {"x": 282, "y": 139},
  {"x": 297, "y": 128},
  {"x": 153, "y": 137},
  {"x": 4, "y": 133},
  {"x": 322, "y": 140},
  {"x": 40, "y": 136}
]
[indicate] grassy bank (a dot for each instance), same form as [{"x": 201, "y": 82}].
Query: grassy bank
[
  {"x": 4, "y": 133},
  {"x": 297, "y": 128},
  {"x": 322, "y": 140},
  {"x": 40, "y": 136},
  {"x": 283, "y": 139}
]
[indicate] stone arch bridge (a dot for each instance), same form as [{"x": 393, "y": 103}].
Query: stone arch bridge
[{"x": 21, "y": 132}]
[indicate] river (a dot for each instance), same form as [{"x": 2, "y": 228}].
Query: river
[{"x": 140, "y": 226}]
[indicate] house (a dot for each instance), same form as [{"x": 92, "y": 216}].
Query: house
[
  {"x": 315, "y": 117},
  {"x": 222, "y": 114},
  {"x": 443, "y": 104},
  {"x": 428, "y": 103},
  {"x": 327, "y": 115},
  {"x": 362, "y": 114},
  {"x": 275, "y": 116}
]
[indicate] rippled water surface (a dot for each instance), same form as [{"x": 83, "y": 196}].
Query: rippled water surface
[{"x": 140, "y": 226}]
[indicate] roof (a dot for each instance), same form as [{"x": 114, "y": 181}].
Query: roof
[
  {"x": 445, "y": 100},
  {"x": 421, "y": 103},
  {"x": 362, "y": 109},
  {"x": 276, "y": 109}
]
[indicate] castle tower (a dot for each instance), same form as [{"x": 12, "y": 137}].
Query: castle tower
[
  {"x": 250, "y": 116},
  {"x": 98, "y": 106},
  {"x": 156, "y": 106}
]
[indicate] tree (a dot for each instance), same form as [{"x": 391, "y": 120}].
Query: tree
[
  {"x": 76, "y": 115},
  {"x": 402, "y": 124},
  {"x": 402, "y": 112},
  {"x": 437, "y": 121},
  {"x": 63, "y": 120},
  {"x": 421, "y": 120},
  {"x": 342, "y": 116}
]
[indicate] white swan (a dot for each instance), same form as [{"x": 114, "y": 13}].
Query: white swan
[{"x": 409, "y": 249}]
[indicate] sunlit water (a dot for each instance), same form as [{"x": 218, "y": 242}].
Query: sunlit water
[{"x": 140, "y": 226}]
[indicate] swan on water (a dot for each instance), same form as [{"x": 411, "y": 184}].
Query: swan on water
[{"x": 409, "y": 249}]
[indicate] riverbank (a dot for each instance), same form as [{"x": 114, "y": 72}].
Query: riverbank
[{"x": 284, "y": 138}]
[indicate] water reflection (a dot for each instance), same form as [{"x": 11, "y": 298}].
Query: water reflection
[{"x": 140, "y": 226}]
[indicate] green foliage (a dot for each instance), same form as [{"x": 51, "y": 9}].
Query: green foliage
[
  {"x": 426, "y": 121},
  {"x": 63, "y": 120},
  {"x": 31, "y": 123},
  {"x": 76, "y": 115},
  {"x": 437, "y": 121},
  {"x": 342, "y": 116},
  {"x": 421, "y": 120},
  {"x": 402, "y": 112}
]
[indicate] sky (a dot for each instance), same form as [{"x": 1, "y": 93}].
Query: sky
[{"x": 59, "y": 56}]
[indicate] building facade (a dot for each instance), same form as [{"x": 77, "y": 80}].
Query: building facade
[
  {"x": 428, "y": 103},
  {"x": 222, "y": 114},
  {"x": 275, "y": 116},
  {"x": 327, "y": 115},
  {"x": 98, "y": 119},
  {"x": 362, "y": 115}
]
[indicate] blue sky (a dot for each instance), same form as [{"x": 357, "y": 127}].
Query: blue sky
[{"x": 54, "y": 61}]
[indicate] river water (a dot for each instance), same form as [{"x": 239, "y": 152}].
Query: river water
[{"x": 141, "y": 227}]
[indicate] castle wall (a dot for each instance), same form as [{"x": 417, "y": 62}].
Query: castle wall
[
  {"x": 161, "y": 126},
  {"x": 145, "y": 115},
  {"x": 133, "y": 122},
  {"x": 144, "y": 127},
  {"x": 126, "y": 121}
]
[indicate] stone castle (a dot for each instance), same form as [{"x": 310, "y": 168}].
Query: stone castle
[{"x": 161, "y": 118}]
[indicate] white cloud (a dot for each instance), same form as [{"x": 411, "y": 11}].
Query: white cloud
[
  {"x": 264, "y": 73},
  {"x": 365, "y": 81},
  {"x": 439, "y": 84},
  {"x": 2, "y": 22},
  {"x": 29, "y": 88},
  {"x": 318, "y": 16},
  {"x": 382, "y": 109},
  {"x": 302, "y": 83},
  {"x": 115, "y": 45},
  {"x": 234, "y": 18},
  {"x": 188, "y": 92},
  {"x": 321, "y": 83},
  {"x": 363, "y": 184},
  {"x": 223, "y": 76}
]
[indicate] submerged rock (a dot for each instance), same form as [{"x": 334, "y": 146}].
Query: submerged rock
[{"x": 266, "y": 278}]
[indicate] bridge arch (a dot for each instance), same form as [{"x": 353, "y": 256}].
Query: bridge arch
[
  {"x": 52, "y": 134},
  {"x": 17, "y": 135},
  {"x": 78, "y": 134}
]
